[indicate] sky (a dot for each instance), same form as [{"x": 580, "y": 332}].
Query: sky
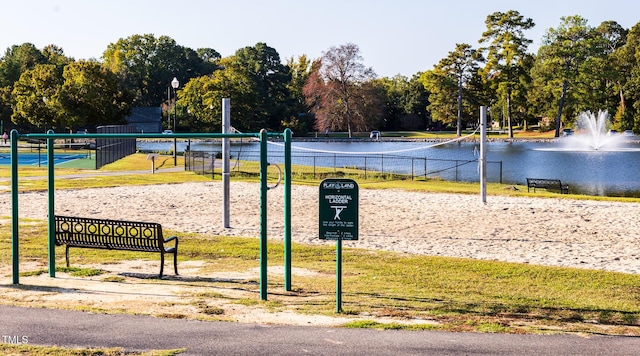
[{"x": 395, "y": 37}]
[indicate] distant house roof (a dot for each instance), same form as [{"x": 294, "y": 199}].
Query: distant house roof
[
  {"x": 146, "y": 119},
  {"x": 145, "y": 114}
]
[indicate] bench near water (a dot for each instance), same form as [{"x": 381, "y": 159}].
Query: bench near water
[
  {"x": 114, "y": 235},
  {"x": 548, "y": 184}
]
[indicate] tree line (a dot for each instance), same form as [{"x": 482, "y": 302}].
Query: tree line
[{"x": 577, "y": 68}]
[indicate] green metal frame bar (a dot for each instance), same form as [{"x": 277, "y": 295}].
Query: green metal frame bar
[
  {"x": 15, "y": 243},
  {"x": 287, "y": 209},
  {"x": 44, "y": 136},
  {"x": 51, "y": 206},
  {"x": 50, "y": 137},
  {"x": 339, "y": 276},
  {"x": 263, "y": 215}
]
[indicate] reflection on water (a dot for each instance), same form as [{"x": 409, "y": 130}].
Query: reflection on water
[{"x": 594, "y": 172}]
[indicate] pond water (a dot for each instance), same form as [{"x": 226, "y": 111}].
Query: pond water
[{"x": 614, "y": 172}]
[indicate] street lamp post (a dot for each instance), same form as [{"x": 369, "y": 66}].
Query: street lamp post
[{"x": 174, "y": 85}]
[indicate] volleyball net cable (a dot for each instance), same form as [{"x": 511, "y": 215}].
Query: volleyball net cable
[{"x": 377, "y": 152}]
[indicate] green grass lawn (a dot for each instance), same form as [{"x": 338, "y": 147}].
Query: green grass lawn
[
  {"x": 459, "y": 294},
  {"x": 33, "y": 350}
]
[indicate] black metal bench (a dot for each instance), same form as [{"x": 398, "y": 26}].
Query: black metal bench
[
  {"x": 114, "y": 235},
  {"x": 548, "y": 184}
]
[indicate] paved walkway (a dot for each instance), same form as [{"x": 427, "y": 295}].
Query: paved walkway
[{"x": 39, "y": 326}]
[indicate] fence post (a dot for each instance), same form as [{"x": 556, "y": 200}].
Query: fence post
[
  {"x": 39, "y": 153},
  {"x": 412, "y": 172},
  {"x": 334, "y": 163},
  {"x": 365, "y": 167}
]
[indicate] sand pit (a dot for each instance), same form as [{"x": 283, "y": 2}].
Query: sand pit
[{"x": 555, "y": 232}]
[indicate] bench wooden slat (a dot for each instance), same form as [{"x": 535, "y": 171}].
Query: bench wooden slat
[{"x": 108, "y": 234}]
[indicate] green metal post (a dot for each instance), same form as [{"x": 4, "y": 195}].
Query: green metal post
[
  {"x": 339, "y": 276},
  {"x": 263, "y": 214},
  {"x": 14, "y": 207},
  {"x": 51, "y": 205},
  {"x": 287, "y": 209}
]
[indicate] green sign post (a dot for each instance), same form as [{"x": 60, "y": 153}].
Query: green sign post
[{"x": 338, "y": 220}]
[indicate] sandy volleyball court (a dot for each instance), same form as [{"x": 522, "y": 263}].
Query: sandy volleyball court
[{"x": 558, "y": 232}]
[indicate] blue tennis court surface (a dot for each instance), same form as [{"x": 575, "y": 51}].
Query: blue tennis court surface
[{"x": 40, "y": 159}]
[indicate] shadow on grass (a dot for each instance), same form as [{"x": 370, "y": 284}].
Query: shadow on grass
[
  {"x": 180, "y": 278},
  {"x": 440, "y": 306}
]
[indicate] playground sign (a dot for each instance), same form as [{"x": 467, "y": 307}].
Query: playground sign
[
  {"x": 338, "y": 209},
  {"x": 338, "y": 220}
]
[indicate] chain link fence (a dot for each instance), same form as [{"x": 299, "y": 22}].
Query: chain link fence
[
  {"x": 109, "y": 150},
  {"x": 320, "y": 165}
]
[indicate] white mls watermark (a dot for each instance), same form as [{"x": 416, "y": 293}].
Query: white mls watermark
[{"x": 15, "y": 339}]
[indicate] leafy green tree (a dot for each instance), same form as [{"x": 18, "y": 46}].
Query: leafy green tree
[
  {"x": 55, "y": 55},
  {"x": 147, "y": 64},
  {"x": 506, "y": 54},
  {"x": 202, "y": 99},
  {"x": 521, "y": 112},
  {"x": 254, "y": 79},
  {"x": 600, "y": 78},
  {"x": 415, "y": 102},
  {"x": 562, "y": 67},
  {"x": 300, "y": 119},
  {"x": 16, "y": 60},
  {"x": 91, "y": 95},
  {"x": 209, "y": 60},
  {"x": 86, "y": 93},
  {"x": 614, "y": 71},
  {"x": 405, "y": 103},
  {"x": 233, "y": 84},
  {"x": 340, "y": 94},
  {"x": 198, "y": 96},
  {"x": 256, "y": 82},
  {"x": 443, "y": 91},
  {"x": 627, "y": 63},
  {"x": 393, "y": 90},
  {"x": 36, "y": 96},
  {"x": 262, "y": 68},
  {"x": 462, "y": 65}
]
